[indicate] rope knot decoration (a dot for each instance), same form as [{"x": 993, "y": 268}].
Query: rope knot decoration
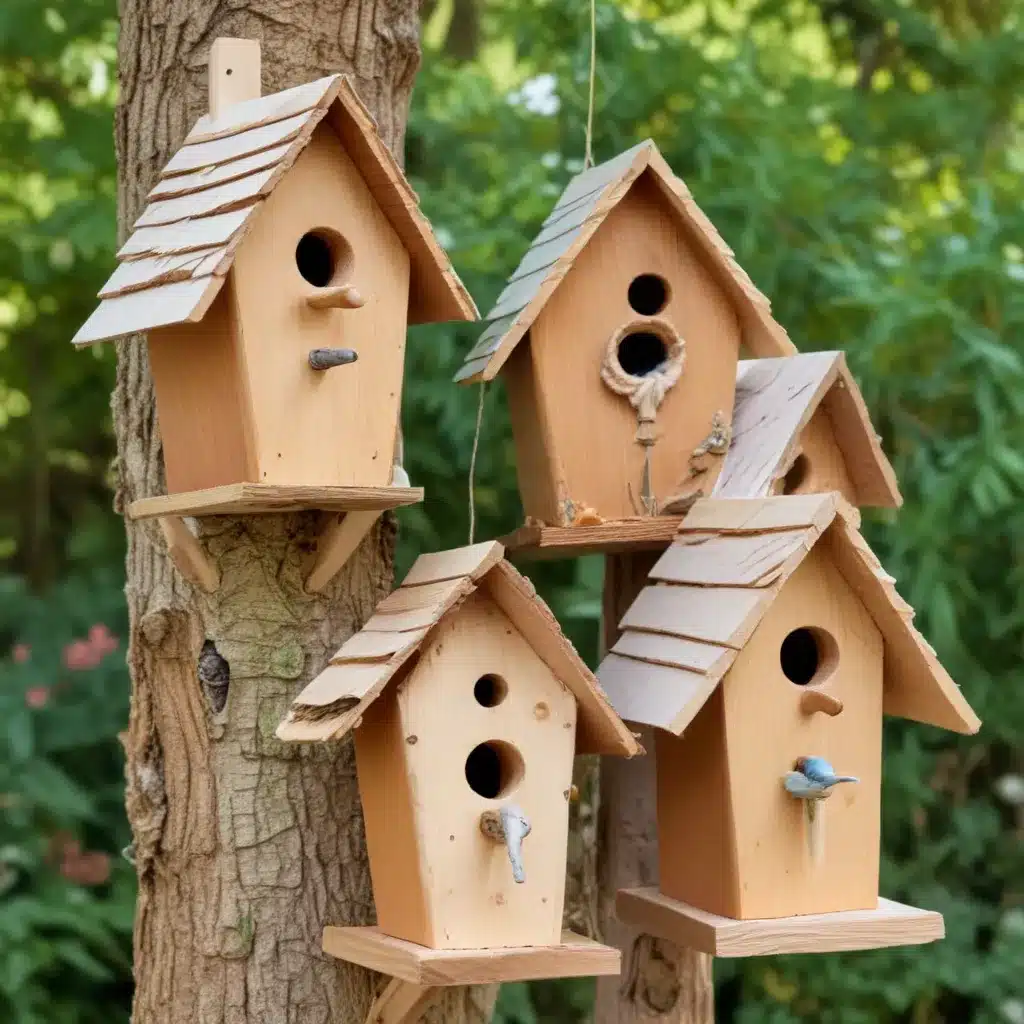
[{"x": 646, "y": 392}]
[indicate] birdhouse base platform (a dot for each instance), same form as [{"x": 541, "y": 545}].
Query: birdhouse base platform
[
  {"x": 889, "y": 924},
  {"x": 650, "y": 533},
  {"x": 247, "y": 498},
  {"x": 418, "y": 973}
]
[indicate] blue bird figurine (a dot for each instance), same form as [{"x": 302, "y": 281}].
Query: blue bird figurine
[{"x": 812, "y": 778}]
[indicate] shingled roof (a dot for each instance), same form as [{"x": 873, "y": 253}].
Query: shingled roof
[
  {"x": 577, "y": 215},
  {"x": 775, "y": 400},
  {"x": 383, "y": 650},
  {"x": 183, "y": 245},
  {"x": 711, "y": 588}
]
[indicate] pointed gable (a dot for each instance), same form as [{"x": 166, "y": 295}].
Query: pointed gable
[
  {"x": 711, "y": 588},
  {"x": 183, "y": 244},
  {"x": 775, "y": 400},
  {"x": 577, "y": 216},
  {"x": 385, "y": 649}
]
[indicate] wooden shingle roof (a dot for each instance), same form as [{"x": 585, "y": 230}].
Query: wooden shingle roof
[
  {"x": 384, "y": 649},
  {"x": 184, "y": 242},
  {"x": 577, "y": 215},
  {"x": 775, "y": 399},
  {"x": 711, "y": 588}
]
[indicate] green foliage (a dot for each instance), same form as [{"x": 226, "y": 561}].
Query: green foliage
[
  {"x": 66, "y": 896},
  {"x": 864, "y": 159}
]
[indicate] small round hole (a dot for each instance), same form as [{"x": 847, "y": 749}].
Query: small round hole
[
  {"x": 641, "y": 353},
  {"x": 494, "y": 769},
  {"x": 797, "y": 475},
  {"x": 648, "y": 294},
  {"x": 490, "y": 690},
  {"x": 808, "y": 655},
  {"x": 323, "y": 256}
]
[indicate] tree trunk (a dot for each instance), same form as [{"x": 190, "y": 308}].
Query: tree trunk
[
  {"x": 660, "y": 983},
  {"x": 244, "y": 848}
]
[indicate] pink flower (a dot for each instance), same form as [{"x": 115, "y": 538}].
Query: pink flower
[
  {"x": 88, "y": 653},
  {"x": 37, "y": 696},
  {"x": 21, "y": 653},
  {"x": 102, "y": 639}
]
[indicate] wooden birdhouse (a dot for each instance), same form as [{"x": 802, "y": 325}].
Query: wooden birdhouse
[
  {"x": 618, "y": 338},
  {"x": 468, "y": 705},
  {"x": 768, "y": 634},
  {"x": 275, "y": 269},
  {"x": 800, "y": 426}
]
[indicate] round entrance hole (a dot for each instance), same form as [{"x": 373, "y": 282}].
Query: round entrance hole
[
  {"x": 808, "y": 656},
  {"x": 648, "y": 294},
  {"x": 490, "y": 690},
  {"x": 641, "y": 352},
  {"x": 322, "y": 257},
  {"x": 494, "y": 769},
  {"x": 797, "y": 475}
]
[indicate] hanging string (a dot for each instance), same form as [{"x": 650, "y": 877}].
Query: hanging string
[
  {"x": 472, "y": 461},
  {"x": 588, "y": 152},
  {"x": 588, "y": 161}
]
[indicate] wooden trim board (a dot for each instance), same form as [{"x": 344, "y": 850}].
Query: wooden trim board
[
  {"x": 890, "y": 924},
  {"x": 238, "y": 499},
  {"x": 641, "y": 534},
  {"x": 367, "y": 946}
]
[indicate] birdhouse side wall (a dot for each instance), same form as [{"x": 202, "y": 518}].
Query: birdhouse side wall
[
  {"x": 202, "y": 407},
  {"x": 471, "y": 897},
  {"x": 592, "y": 429},
  {"x": 819, "y": 466},
  {"x": 696, "y": 833},
  {"x": 767, "y": 728},
  {"x": 392, "y": 844},
  {"x": 536, "y": 468},
  {"x": 335, "y": 426}
]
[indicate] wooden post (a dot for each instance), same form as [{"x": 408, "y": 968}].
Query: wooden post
[{"x": 660, "y": 983}]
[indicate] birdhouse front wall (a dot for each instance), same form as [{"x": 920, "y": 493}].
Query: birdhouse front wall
[
  {"x": 575, "y": 437},
  {"x": 203, "y": 409},
  {"x": 817, "y": 635},
  {"x": 819, "y": 466},
  {"x": 319, "y": 229},
  {"x": 480, "y": 722}
]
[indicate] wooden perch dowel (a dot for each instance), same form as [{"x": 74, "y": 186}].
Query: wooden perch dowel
[
  {"x": 813, "y": 701},
  {"x": 325, "y": 358},
  {"x": 344, "y": 296}
]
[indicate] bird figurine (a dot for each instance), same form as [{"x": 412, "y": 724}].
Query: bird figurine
[
  {"x": 812, "y": 778},
  {"x": 509, "y": 826}
]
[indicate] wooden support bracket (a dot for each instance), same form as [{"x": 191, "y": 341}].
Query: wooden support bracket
[
  {"x": 402, "y": 1002},
  {"x": 342, "y": 535},
  {"x": 188, "y": 554}
]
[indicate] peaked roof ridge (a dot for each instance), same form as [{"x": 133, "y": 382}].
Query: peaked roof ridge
[
  {"x": 775, "y": 400},
  {"x": 438, "y": 583},
  {"x": 183, "y": 244},
  {"x": 711, "y": 588},
  {"x": 580, "y": 211}
]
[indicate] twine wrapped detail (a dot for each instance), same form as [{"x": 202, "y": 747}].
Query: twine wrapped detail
[{"x": 645, "y": 392}]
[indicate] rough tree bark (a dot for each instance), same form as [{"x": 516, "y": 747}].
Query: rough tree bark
[
  {"x": 660, "y": 983},
  {"x": 244, "y": 849}
]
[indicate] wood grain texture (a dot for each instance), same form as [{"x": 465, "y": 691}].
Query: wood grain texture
[
  {"x": 242, "y": 848},
  {"x": 568, "y": 343},
  {"x": 336, "y": 544},
  {"x": 619, "y": 536},
  {"x": 296, "y": 409},
  {"x": 470, "y": 896},
  {"x": 235, "y": 499},
  {"x": 581, "y": 212},
  {"x": 809, "y": 405},
  {"x": 573, "y": 957},
  {"x": 661, "y": 983},
  {"x": 888, "y": 924},
  {"x": 234, "y": 74},
  {"x": 401, "y": 1002}
]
